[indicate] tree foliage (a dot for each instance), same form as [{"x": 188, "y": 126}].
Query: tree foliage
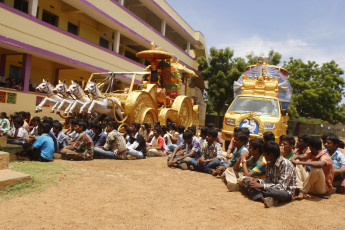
[{"x": 316, "y": 90}]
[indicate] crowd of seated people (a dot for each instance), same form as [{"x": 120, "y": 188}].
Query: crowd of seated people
[{"x": 265, "y": 170}]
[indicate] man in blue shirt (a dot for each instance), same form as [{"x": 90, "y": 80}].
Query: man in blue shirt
[
  {"x": 98, "y": 136},
  {"x": 338, "y": 158},
  {"x": 42, "y": 149}
]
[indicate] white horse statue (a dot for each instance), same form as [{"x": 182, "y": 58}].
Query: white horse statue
[
  {"x": 99, "y": 102},
  {"x": 62, "y": 88},
  {"x": 81, "y": 98},
  {"x": 51, "y": 99}
]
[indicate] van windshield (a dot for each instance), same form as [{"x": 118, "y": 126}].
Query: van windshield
[{"x": 248, "y": 104}]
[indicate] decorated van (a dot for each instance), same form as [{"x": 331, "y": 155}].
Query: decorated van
[{"x": 262, "y": 95}]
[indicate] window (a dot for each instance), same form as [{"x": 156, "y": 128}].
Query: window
[
  {"x": 21, "y": 5},
  {"x": 131, "y": 56},
  {"x": 15, "y": 72},
  {"x": 72, "y": 28},
  {"x": 50, "y": 18},
  {"x": 104, "y": 42}
]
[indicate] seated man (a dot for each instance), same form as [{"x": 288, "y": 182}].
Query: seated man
[
  {"x": 43, "y": 147},
  {"x": 211, "y": 152},
  {"x": 136, "y": 145},
  {"x": 302, "y": 145},
  {"x": 20, "y": 134},
  {"x": 182, "y": 155},
  {"x": 286, "y": 146},
  {"x": 82, "y": 148},
  {"x": 250, "y": 164},
  {"x": 280, "y": 181},
  {"x": 319, "y": 179},
  {"x": 338, "y": 159},
  {"x": 156, "y": 146},
  {"x": 115, "y": 144},
  {"x": 98, "y": 136},
  {"x": 61, "y": 138}
]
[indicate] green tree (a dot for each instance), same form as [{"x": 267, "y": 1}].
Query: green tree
[
  {"x": 221, "y": 70},
  {"x": 274, "y": 58},
  {"x": 316, "y": 91}
]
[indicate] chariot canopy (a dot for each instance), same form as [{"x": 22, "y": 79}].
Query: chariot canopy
[{"x": 154, "y": 53}]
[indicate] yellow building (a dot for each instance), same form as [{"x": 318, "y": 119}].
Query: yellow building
[{"x": 70, "y": 39}]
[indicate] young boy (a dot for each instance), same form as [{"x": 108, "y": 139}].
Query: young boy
[
  {"x": 182, "y": 155},
  {"x": 98, "y": 137},
  {"x": 280, "y": 181},
  {"x": 211, "y": 152},
  {"x": 115, "y": 144},
  {"x": 172, "y": 147},
  {"x": 203, "y": 134},
  {"x": 82, "y": 148},
  {"x": 156, "y": 146},
  {"x": 21, "y": 134},
  {"x": 319, "y": 179},
  {"x": 43, "y": 147},
  {"x": 136, "y": 145},
  {"x": 35, "y": 122},
  {"x": 286, "y": 146},
  {"x": 248, "y": 165},
  {"x": 61, "y": 138}
]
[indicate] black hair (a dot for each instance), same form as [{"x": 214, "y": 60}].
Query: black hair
[
  {"x": 212, "y": 132},
  {"x": 192, "y": 129},
  {"x": 180, "y": 128},
  {"x": 257, "y": 144},
  {"x": 4, "y": 114},
  {"x": 237, "y": 129},
  {"x": 271, "y": 148},
  {"x": 136, "y": 125},
  {"x": 19, "y": 121},
  {"x": 187, "y": 134},
  {"x": 164, "y": 129},
  {"x": 74, "y": 122},
  {"x": 204, "y": 131},
  {"x": 325, "y": 136},
  {"x": 269, "y": 136},
  {"x": 146, "y": 125},
  {"x": 315, "y": 143},
  {"x": 304, "y": 138},
  {"x": 245, "y": 130},
  {"x": 45, "y": 127},
  {"x": 158, "y": 128},
  {"x": 113, "y": 124},
  {"x": 97, "y": 126},
  {"x": 173, "y": 126},
  {"x": 82, "y": 124},
  {"x": 157, "y": 123},
  {"x": 242, "y": 137},
  {"x": 37, "y": 119},
  {"x": 289, "y": 139},
  {"x": 341, "y": 144},
  {"x": 57, "y": 125},
  {"x": 334, "y": 139},
  {"x": 168, "y": 124}
]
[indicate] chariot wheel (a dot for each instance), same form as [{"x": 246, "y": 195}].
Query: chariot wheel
[
  {"x": 149, "y": 115},
  {"x": 184, "y": 108}
]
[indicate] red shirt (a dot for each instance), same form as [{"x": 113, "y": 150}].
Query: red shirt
[{"x": 328, "y": 169}]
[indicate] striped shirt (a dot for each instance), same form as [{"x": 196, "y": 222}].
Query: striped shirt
[
  {"x": 280, "y": 175},
  {"x": 257, "y": 167},
  {"x": 84, "y": 144}
]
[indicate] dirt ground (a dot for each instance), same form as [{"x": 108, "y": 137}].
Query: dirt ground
[{"x": 145, "y": 194}]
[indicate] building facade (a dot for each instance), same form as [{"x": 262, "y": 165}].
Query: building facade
[{"x": 70, "y": 39}]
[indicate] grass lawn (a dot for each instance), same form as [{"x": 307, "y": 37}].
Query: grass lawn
[{"x": 43, "y": 175}]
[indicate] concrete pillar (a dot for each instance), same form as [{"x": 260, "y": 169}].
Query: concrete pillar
[
  {"x": 33, "y": 7},
  {"x": 117, "y": 37},
  {"x": 188, "y": 47},
  {"x": 122, "y": 2},
  {"x": 163, "y": 27},
  {"x": 3, "y": 65},
  {"x": 26, "y": 70}
]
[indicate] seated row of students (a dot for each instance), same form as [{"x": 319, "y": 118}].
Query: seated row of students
[{"x": 268, "y": 171}]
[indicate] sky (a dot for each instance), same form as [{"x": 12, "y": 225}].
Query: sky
[{"x": 303, "y": 29}]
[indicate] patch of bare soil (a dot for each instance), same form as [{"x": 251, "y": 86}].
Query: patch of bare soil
[{"x": 146, "y": 194}]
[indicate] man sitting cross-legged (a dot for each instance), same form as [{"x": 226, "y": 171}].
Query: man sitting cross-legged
[
  {"x": 280, "y": 181},
  {"x": 82, "y": 148},
  {"x": 156, "y": 146},
  {"x": 115, "y": 144},
  {"x": 211, "y": 152},
  {"x": 43, "y": 147},
  {"x": 182, "y": 155},
  {"x": 250, "y": 164},
  {"x": 136, "y": 145},
  {"x": 319, "y": 179}
]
